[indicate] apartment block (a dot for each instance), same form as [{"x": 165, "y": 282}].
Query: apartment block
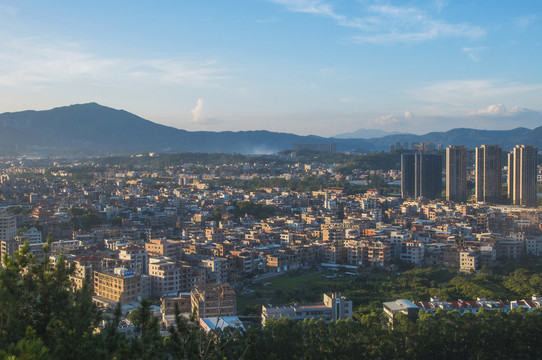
[
  {"x": 120, "y": 286},
  {"x": 214, "y": 300}
]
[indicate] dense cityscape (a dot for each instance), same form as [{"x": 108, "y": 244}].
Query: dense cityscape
[
  {"x": 270, "y": 180},
  {"x": 197, "y": 233}
]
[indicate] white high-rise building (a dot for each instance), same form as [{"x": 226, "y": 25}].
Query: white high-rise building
[{"x": 8, "y": 230}]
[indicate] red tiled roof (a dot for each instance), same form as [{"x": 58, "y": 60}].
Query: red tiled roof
[
  {"x": 456, "y": 304},
  {"x": 426, "y": 305}
]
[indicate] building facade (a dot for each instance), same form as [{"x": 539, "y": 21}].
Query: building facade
[
  {"x": 488, "y": 161},
  {"x": 522, "y": 171},
  {"x": 456, "y": 173},
  {"x": 120, "y": 286},
  {"x": 421, "y": 176},
  {"x": 214, "y": 300}
]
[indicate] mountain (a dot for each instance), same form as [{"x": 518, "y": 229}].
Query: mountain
[
  {"x": 468, "y": 137},
  {"x": 365, "y": 134},
  {"x": 92, "y": 129}
]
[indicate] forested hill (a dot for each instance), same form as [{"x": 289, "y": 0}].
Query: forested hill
[{"x": 92, "y": 129}]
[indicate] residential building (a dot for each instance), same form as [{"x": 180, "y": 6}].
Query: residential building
[
  {"x": 214, "y": 300},
  {"x": 469, "y": 260},
  {"x": 8, "y": 230},
  {"x": 32, "y": 236},
  {"x": 421, "y": 176},
  {"x": 488, "y": 174},
  {"x": 408, "y": 185},
  {"x": 163, "y": 247},
  {"x": 412, "y": 251},
  {"x": 217, "y": 269},
  {"x": 120, "y": 286},
  {"x": 456, "y": 173},
  {"x": 136, "y": 258},
  {"x": 401, "y": 306},
  {"x": 165, "y": 276},
  {"x": 522, "y": 171}
]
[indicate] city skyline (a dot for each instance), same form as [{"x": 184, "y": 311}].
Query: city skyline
[{"x": 299, "y": 66}]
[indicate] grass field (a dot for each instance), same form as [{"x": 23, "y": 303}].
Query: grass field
[
  {"x": 305, "y": 286},
  {"x": 368, "y": 290}
]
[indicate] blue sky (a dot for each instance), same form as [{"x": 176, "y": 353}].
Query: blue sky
[{"x": 303, "y": 66}]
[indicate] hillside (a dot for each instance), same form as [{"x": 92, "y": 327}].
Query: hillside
[{"x": 91, "y": 129}]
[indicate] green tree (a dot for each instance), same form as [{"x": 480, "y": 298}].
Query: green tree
[
  {"x": 38, "y": 299},
  {"x": 184, "y": 340},
  {"x": 148, "y": 328},
  {"x": 75, "y": 211}
]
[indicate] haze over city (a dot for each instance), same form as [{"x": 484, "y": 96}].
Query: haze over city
[{"x": 300, "y": 66}]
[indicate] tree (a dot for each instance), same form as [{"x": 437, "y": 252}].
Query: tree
[
  {"x": 75, "y": 211},
  {"x": 39, "y": 305},
  {"x": 184, "y": 340},
  {"x": 148, "y": 328}
]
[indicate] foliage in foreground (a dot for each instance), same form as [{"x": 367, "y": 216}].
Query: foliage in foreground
[{"x": 41, "y": 317}]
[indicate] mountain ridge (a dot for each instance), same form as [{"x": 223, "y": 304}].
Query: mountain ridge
[{"x": 91, "y": 129}]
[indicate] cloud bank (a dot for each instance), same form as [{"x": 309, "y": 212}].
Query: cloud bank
[{"x": 36, "y": 61}]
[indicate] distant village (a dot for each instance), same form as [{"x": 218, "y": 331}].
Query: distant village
[{"x": 176, "y": 236}]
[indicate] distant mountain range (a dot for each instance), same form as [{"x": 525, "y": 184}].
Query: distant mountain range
[
  {"x": 365, "y": 134},
  {"x": 92, "y": 129}
]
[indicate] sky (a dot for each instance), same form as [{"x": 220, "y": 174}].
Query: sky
[{"x": 319, "y": 67}]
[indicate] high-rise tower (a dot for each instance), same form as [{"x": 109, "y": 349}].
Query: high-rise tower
[
  {"x": 421, "y": 175},
  {"x": 488, "y": 173},
  {"x": 522, "y": 175},
  {"x": 456, "y": 173},
  {"x": 8, "y": 230},
  {"x": 408, "y": 187}
]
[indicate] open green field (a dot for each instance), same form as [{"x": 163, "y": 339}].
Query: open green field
[
  {"x": 299, "y": 286},
  {"x": 367, "y": 290}
]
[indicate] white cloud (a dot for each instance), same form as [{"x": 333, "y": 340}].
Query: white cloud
[
  {"x": 27, "y": 61},
  {"x": 497, "y": 109},
  {"x": 387, "y": 23},
  {"x": 501, "y": 110},
  {"x": 197, "y": 111},
  {"x": 471, "y": 93},
  {"x": 397, "y": 119},
  {"x": 473, "y": 52},
  {"x": 198, "y": 116},
  {"x": 316, "y": 7},
  {"x": 10, "y": 10},
  {"x": 525, "y": 21},
  {"x": 36, "y": 61},
  {"x": 441, "y": 4},
  {"x": 178, "y": 72},
  {"x": 410, "y": 24}
]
